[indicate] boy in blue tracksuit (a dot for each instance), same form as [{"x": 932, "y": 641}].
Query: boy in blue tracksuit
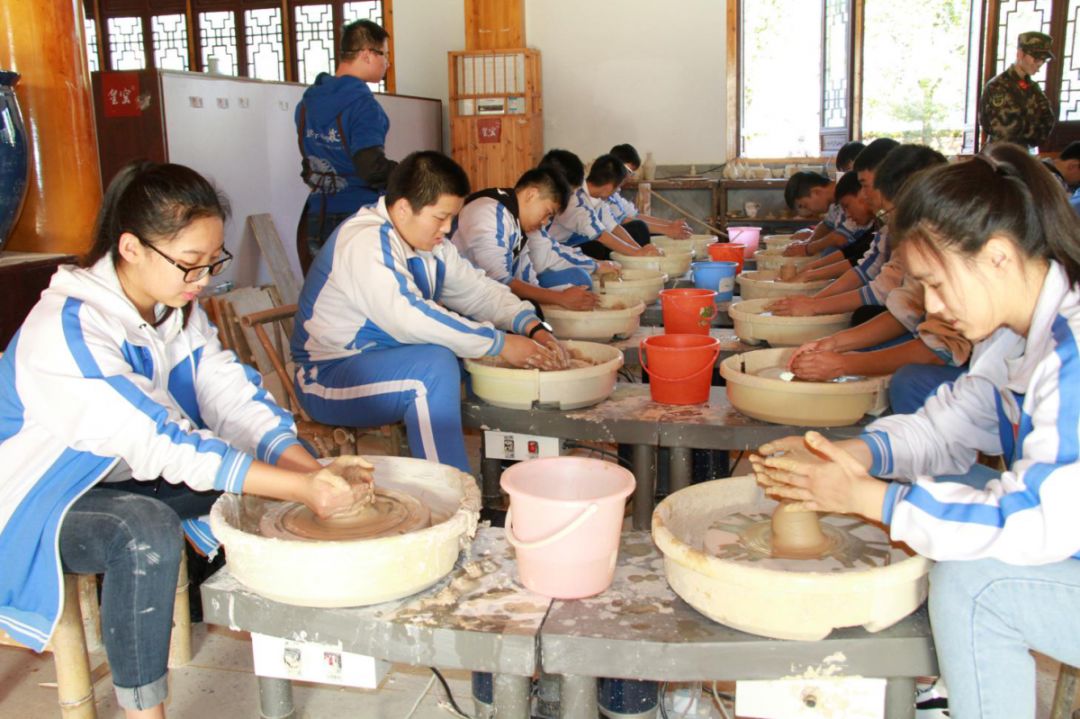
[
  {"x": 500, "y": 231},
  {"x": 389, "y": 306},
  {"x": 1006, "y": 543},
  {"x": 341, "y": 129}
]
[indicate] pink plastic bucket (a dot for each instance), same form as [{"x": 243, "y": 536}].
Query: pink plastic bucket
[
  {"x": 749, "y": 236},
  {"x": 565, "y": 519}
]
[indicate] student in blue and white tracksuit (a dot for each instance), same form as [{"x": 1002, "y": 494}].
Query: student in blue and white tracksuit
[
  {"x": 640, "y": 226},
  {"x": 117, "y": 374},
  {"x": 491, "y": 232},
  {"x": 1007, "y": 543},
  {"x": 389, "y": 306},
  {"x": 587, "y": 223},
  {"x": 877, "y": 274}
]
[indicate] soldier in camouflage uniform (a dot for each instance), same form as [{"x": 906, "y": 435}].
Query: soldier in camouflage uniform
[{"x": 1013, "y": 107}]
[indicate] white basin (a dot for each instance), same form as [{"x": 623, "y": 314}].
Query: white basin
[
  {"x": 774, "y": 260},
  {"x": 759, "y": 284},
  {"x": 565, "y": 389},
  {"x": 633, "y": 285},
  {"x": 806, "y": 404},
  {"x": 602, "y": 324},
  {"x": 673, "y": 263},
  {"x": 753, "y": 324},
  {"x": 767, "y": 596},
  {"x": 354, "y": 572}
]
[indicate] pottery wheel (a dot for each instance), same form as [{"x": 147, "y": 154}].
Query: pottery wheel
[
  {"x": 390, "y": 513},
  {"x": 746, "y": 536}
]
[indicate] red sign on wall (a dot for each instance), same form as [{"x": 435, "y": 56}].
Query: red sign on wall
[
  {"x": 120, "y": 94},
  {"x": 489, "y": 129}
]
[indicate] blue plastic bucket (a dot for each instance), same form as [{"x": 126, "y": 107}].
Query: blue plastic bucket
[{"x": 716, "y": 276}]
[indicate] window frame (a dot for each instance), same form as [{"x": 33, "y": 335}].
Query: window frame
[
  {"x": 99, "y": 11},
  {"x": 983, "y": 10}
]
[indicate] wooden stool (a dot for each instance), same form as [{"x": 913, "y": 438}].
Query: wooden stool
[
  {"x": 80, "y": 625},
  {"x": 1065, "y": 693}
]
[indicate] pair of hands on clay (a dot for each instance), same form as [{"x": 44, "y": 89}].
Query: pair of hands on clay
[
  {"x": 678, "y": 229},
  {"x": 818, "y": 361},
  {"x": 544, "y": 352},
  {"x": 817, "y": 475},
  {"x": 607, "y": 268},
  {"x": 647, "y": 251},
  {"x": 797, "y": 249},
  {"x": 576, "y": 297},
  {"x": 340, "y": 486},
  {"x": 793, "y": 306}
]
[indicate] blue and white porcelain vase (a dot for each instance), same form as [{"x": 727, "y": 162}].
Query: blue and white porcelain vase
[{"x": 12, "y": 155}]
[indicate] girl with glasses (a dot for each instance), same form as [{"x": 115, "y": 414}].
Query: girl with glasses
[{"x": 117, "y": 379}]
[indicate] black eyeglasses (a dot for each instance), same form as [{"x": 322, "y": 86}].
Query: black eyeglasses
[{"x": 194, "y": 274}]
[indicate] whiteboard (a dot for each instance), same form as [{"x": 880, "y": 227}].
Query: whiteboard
[{"x": 240, "y": 134}]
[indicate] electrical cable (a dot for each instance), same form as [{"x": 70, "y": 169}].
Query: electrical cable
[
  {"x": 420, "y": 698},
  {"x": 449, "y": 695},
  {"x": 663, "y": 709},
  {"x": 720, "y": 703},
  {"x": 581, "y": 445}
]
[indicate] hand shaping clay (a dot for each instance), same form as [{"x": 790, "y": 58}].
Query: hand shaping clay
[{"x": 788, "y": 272}]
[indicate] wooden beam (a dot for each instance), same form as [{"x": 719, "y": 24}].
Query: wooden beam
[
  {"x": 734, "y": 80},
  {"x": 494, "y": 24}
]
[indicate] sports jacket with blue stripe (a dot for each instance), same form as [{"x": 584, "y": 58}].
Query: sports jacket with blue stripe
[
  {"x": 87, "y": 383},
  {"x": 1020, "y": 399},
  {"x": 488, "y": 234},
  {"x": 586, "y": 218},
  {"x": 368, "y": 289}
]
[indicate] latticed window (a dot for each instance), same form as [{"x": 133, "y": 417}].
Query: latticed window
[
  {"x": 217, "y": 46},
  {"x": 314, "y": 41},
  {"x": 126, "y": 43},
  {"x": 247, "y": 38},
  {"x": 264, "y": 41},
  {"x": 170, "y": 41}
]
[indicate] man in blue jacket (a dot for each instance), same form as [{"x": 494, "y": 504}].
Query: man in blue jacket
[{"x": 341, "y": 130}]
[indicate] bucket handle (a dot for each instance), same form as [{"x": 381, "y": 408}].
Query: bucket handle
[
  {"x": 551, "y": 538},
  {"x": 645, "y": 365},
  {"x": 678, "y": 300}
]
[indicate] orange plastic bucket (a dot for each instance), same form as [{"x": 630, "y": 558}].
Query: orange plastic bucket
[
  {"x": 728, "y": 252},
  {"x": 679, "y": 367},
  {"x": 688, "y": 311},
  {"x": 564, "y": 522}
]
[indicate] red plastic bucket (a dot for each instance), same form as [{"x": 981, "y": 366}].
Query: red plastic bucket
[
  {"x": 688, "y": 311},
  {"x": 679, "y": 367},
  {"x": 728, "y": 252}
]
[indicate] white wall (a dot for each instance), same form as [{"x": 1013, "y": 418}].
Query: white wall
[
  {"x": 424, "y": 31},
  {"x": 651, "y": 74}
]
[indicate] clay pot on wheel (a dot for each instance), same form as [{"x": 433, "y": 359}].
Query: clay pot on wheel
[{"x": 13, "y": 151}]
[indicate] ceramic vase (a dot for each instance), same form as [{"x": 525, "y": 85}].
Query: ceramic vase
[{"x": 13, "y": 149}]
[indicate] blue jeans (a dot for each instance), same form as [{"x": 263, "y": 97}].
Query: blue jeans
[
  {"x": 913, "y": 384},
  {"x": 986, "y": 615},
  {"x": 135, "y": 541}
]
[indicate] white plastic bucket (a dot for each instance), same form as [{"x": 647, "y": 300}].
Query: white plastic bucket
[{"x": 565, "y": 520}]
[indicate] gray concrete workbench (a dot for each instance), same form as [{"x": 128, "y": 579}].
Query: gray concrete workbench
[
  {"x": 640, "y": 629},
  {"x": 489, "y": 624},
  {"x": 629, "y": 416},
  {"x": 637, "y": 629}
]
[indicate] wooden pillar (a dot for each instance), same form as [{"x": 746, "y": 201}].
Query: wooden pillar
[{"x": 44, "y": 42}]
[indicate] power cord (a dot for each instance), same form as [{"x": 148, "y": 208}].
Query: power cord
[
  {"x": 581, "y": 445},
  {"x": 449, "y": 695},
  {"x": 416, "y": 704}
]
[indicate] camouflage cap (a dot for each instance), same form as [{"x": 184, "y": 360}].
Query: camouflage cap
[{"x": 1036, "y": 44}]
